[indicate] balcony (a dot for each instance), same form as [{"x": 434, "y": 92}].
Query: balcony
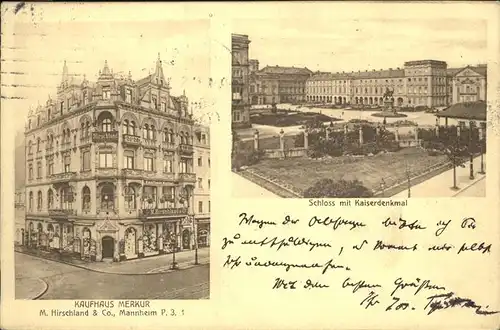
[
  {"x": 131, "y": 140},
  {"x": 149, "y": 143},
  {"x": 85, "y": 140},
  {"x": 98, "y": 137},
  {"x": 130, "y": 172},
  {"x": 186, "y": 148},
  {"x": 62, "y": 177},
  {"x": 168, "y": 146},
  {"x": 65, "y": 146},
  {"x": 187, "y": 177},
  {"x": 146, "y": 213},
  {"x": 61, "y": 212},
  {"x": 106, "y": 172}
]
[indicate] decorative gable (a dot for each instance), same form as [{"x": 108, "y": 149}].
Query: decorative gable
[
  {"x": 107, "y": 226},
  {"x": 467, "y": 72}
]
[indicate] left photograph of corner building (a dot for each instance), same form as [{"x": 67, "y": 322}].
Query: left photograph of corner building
[{"x": 113, "y": 167}]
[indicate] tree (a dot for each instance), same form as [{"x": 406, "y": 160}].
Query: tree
[
  {"x": 342, "y": 188},
  {"x": 457, "y": 154}
]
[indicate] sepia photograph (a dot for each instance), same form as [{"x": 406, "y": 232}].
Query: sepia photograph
[
  {"x": 112, "y": 158},
  {"x": 359, "y": 108}
]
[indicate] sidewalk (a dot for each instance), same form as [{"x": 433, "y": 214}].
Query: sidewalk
[
  {"x": 30, "y": 288},
  {"x": 148, "y": 265},
  {"x": 440, "y": 185}
]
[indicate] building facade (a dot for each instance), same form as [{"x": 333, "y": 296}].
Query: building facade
[
  {"x": 202, "y": 188},
  {"x": 419, "y": 83},
  {"x": 110, "y": 170},
  {"x": 277, "y": 84},
  {"x": 240, "y": 106}
]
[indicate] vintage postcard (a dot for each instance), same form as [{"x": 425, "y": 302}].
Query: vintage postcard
[{"x": 345, "y": 151}]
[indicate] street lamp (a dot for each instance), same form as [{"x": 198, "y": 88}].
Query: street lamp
[
  {"x": 174, "y": 264},
  {"x": 471, "y": 153},
  {"x": 481, "y": 146},
  {"x": 196, "y": 242}
]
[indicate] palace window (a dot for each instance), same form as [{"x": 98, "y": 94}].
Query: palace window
[
  {"x": 200, "y": 207},
  {"x": 200, "y": 161},
  {"x": 129, "y": 159},
  {"x": 86, "y": 160},
  {"x": 154, "y": 102},
  {"x": 50, "y": 199},
  {"x": 131, "y": 128},
  {"x": 39, "y": 201},
  {"x": 151, "y": 133},
  {"x": 148, "y": 163},
  {"x": 200, "y": 183},
  {"x": 106, "y": 95},
  {"x": 106, "y": 125},
  {"x": 108, "y": 197},
  {"x": 87, "y": 130},
  {"x": 62, "y": 107},
  {"x": 86, "y": 198},
  {"x": 105, "y": 159},
  {"x": 149, "y": 196},
  {"x": 168, "y": 195}
]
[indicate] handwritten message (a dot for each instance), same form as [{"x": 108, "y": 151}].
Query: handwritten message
[{"x": 343, "y": 254}]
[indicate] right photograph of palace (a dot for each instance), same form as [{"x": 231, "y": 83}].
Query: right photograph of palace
[{"x": 359, "y": 110}]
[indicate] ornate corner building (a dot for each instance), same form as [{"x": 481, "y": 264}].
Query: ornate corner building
[
  {"x": 240, "y": 101},
  {"x": 113, "y": 169}
]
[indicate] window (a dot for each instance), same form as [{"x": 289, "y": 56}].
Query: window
[
  {"x": 200, "y": 161},
  {"x": 208, "y": 206},
  {"x": 30, "y": 148},
  {"x": 39, "y": 170},
  {"x": 208, "y": 162},
  {"x": 131, "y": 127},
  {"x": 200, "y": 183},
  {"x": 50, "y": 199},
  {"x": 149, "y": 196},
  {"x": 67, "y": 198},
  {"x": 86, "y": 198},
  {"x": 67, "y": 163},
  {"x": 183, "y": 166},
  {"x": 62, "y": 107},
  {"x": 208, "y": 183},
  {"x": 87, "y": 130},
  {"x": 30, "y": 201},
  {"x": 48, "y": 114},
  {"x": 86, "y": 160},
  {"x": 200, "y": 207},
  {"x": 106, "y": 125},
  {"x": 38, "y": 145},
  {"x": 151, "y": 132},
  {"x": 148, "y": 164},
  {"x": 50, "y": 167},
  {"x": 125, "y": 128},
  {"x": 236, "y": 116},
  {"x": 128, "y": 97},
  {"x": 107, "y": 197},
  {"x": 154, "y": 102},
  {"x": 145, "y": 131},
  {"x": 129, "y": 159},
  {"x": 39, "y": 201},
  {"x": 130, "y": 198},
  {"x": 105, "y": 160},
  {"x": 106, "y": 95},
  {"x": 167, "y": 166},
  {"x": 84, "y": 98}
]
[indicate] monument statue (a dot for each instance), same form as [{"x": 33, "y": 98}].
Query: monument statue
[{"x": 388, "y": 93}]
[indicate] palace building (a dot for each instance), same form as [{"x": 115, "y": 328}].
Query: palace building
[
  {"x": 427, "y": 83},
  {"x": 112, "y": 169}
]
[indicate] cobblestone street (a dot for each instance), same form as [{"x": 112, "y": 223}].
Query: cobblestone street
[{"x": 69, "y": 282}]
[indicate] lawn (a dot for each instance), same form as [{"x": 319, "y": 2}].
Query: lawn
[
  {"x": 303, "y": 173},
  {"x": 283, "y": 119}
]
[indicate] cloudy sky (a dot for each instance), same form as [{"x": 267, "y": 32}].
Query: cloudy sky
[
  {"x": 336, "y": 44},
  {"x": 35, "y": 50}
]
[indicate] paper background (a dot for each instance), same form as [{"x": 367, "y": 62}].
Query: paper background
[{"x": 242, "y": 299}]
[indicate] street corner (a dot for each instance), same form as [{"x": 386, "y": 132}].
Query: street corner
[{"x": 30, "y": 288}]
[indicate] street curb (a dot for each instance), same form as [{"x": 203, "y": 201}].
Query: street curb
[
  {"x": 472, "y": 184},
  {"x": 46, "y": 287},
  {"x": 108, "y": 272}
]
